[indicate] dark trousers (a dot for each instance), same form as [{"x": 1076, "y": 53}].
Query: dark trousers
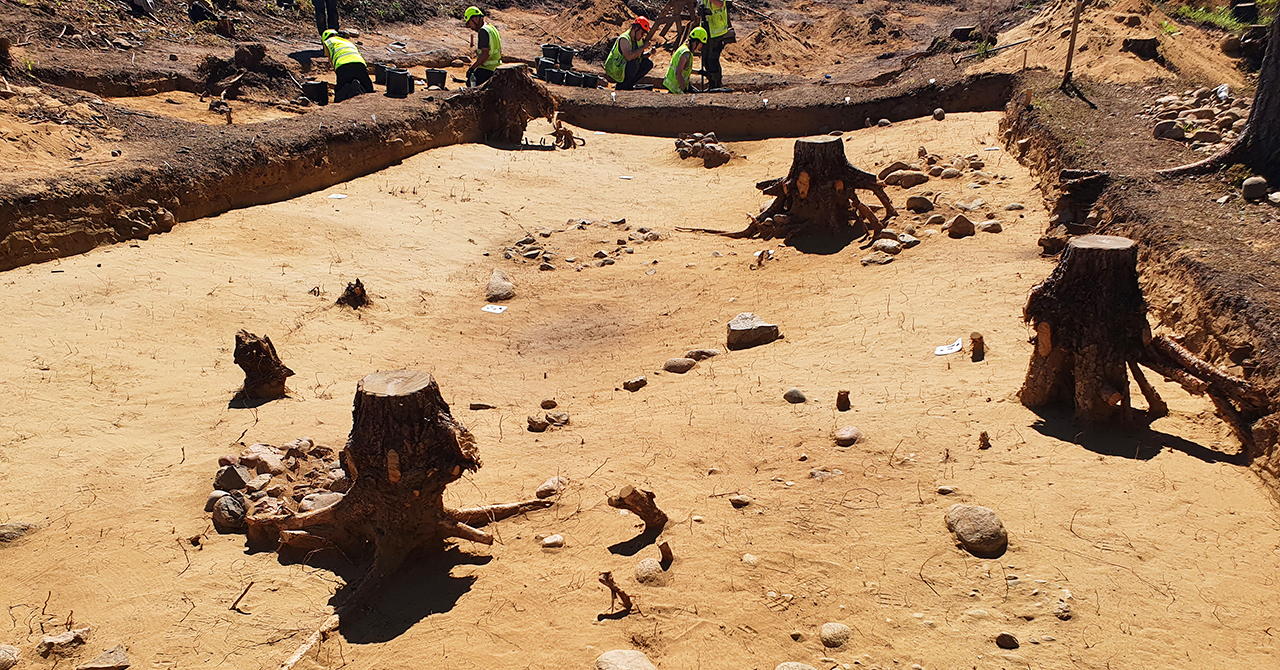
[
  {"x": 353, "y": 79},
  {"x": 711, "y": 62},
  {"x": 323, "y": 7},
  {"x": 479, "y": 76},
  {"x": 635, "y": 70}
]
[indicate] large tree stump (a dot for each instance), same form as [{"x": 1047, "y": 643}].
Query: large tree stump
[
  {"x": 818, "y": 196},
  {"x": 511, "y": 98},
  {"x": 264, "y": 374},
  {"x": 404, "y": 449},
  {"x": 1091, "y": 328}
]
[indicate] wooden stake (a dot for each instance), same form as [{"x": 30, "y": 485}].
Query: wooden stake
[
  {"x": 329, "y": 625},
  {"x": 615, "y": 591},
  {"x": 235, "y": 604},
  {"x": 1071, "y": 48}
]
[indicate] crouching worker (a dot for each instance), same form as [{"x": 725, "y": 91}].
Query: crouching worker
[
  {"x": 629, "y": 60},
  {"x": 352, "y": 71},
  {"x": 677, "y": 80},
  {"x": 488, "y": 47}
]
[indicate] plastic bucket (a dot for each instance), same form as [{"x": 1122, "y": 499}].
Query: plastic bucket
[
  {"x": 566, "y": 57},
  {"x": 573, "y": 79},
  {"x": 590, "y": 80},
  {"x": 551, "y": 51},
  {"x": 436, "y": 78},
  {"x": 555, "y": 76},
  {"x": 380, "y": 73},
  {"x": 399, "y": 83},
  {"x": 316, "y": 91}
]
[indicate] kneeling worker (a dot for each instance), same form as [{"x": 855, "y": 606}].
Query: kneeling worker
[
  {"x": 629, "y": 60},
  {"x": 488, "y": 47},
  {"x": 677, "y": 80},
  {"x": 352, "y": 71}
]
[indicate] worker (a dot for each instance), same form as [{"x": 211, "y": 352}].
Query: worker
[
  {"x": 488, "y": 47},
  {"x": 352, "y": 71},
  {"x": 715, "y": 18},
  {"x": 323, "y": 8},
  {"x": 677, "y": 80},
  {"x": 629, "y": 60}
]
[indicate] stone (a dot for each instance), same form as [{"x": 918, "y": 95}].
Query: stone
[
  {"x": 553, "y": 542},
  {"x": 884, "y": 123},
  {"x": 976, "y": 203},
  {"x": 1207, "y": 136},
  {"x": 794, "y": 396},
  {"x": 946, "y": 490},
  {"x": 979, "y": 529},
  {"x": 317, "y": 501},
  {"x": 650, "y": 573},
  {"x": 950, "y": 173},
  {"x": 1230, "y": 46},
  {"x": 636, "y": 384},
  {"x": 63, "y": 643},
  {"x": 935, "y": 220},
  {"x": 919, "y": 204},
  {"x": 847, "y": 436},
  {"x": 112, "y": 659},
  {"x": 213, "y": 499},
  {"x": 891, "y": 168},
  {"x": 960, "y": 226},
  {"x": 232, "y": 477},
  {"x": 1006, "y": 640},
  {"x": 701, "y": 354},
  {"x": 936, "y": 171},
  {"x": 877, "y": 258},
  {"x": 538, "y": 424},
  {"x": 548, "y": 403},
  {"x": 348, "y": 33},
  {"x": 939, "y": 114},
  {"x": 990, "y": 226},
  {"x": 908, "y": 241},
  {"x": 887, "y": 246},
  {"x": 1169, "y": 130},
  {"x": 842, "y": 401},
  {"x": 1254, "y": 188},
  {"x": 551, "y": 487},
  {"x": 751, "y": 559},
  {"x": 679, "y": 365},
  {"x": 14, "y": 530},
  {"x": 797, "y": 635},
  {"x": 907, "y": 178},
  {"x": 794, "y": 665},
  {"x": 834, "y": 634},
  {"x": 748, "y": 330},
  {"x": 258, "y": 483},
  {"x": 715, "y": 155},
  {"x": 9, "y": 656},
  {"x": 1014, "y": 207},
  {"x": 1062, "y": 610},
  {"x": 558, "y": 418},
  {"x": 739, "y": 501},
  {"x": 624, "y": 659}
]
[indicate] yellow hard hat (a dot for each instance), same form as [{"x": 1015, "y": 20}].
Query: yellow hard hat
[
  {"x": 328, "y": 33},
  {"x": 699, "y": 34},
  {"x": 471, "y": 13}
]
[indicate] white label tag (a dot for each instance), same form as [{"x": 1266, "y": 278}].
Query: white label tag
[
  {"x": 494, "y": 309},
  {"x": 949, "y": 348}
]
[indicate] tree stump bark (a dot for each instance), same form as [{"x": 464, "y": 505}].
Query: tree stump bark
[
  {"x": 354, "y": 296},
  {"x": 818, "y": 196},
  {"x": 1090, "y": 320},
  {"x": 511, "y": 98},
  {"x": 641, "y": 504},
  {"x": 404, "y": 449},
  {"x": 264, "y": 374}
]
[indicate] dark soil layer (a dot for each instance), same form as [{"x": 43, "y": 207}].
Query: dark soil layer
[{"x": 1210, "y": 272}]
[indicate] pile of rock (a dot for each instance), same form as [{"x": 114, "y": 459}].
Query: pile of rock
[
  {"x": 1207, "y": 118},
  {"x": 536, "y": 247},
  {"x": 706, "y": 147},
  {"x": 298, "y": 476}
]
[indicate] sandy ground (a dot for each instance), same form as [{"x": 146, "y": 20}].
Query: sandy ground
[{"x": 118, "y": 375}]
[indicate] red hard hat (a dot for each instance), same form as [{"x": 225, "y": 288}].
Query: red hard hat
[{"x": 644, "y": 23}]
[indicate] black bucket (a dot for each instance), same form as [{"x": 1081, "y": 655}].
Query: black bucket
[
  {"x": 316, "y": 91},
  {"x": 555, "y": 76},
  {"x": 380, "y": 73},
  {"x": 551, "y": 51},
  {"x": 399, "y": 83},
  {"x": 573, "y": 79},
  {"x": 541, "y": 65},
  {"x": 590, "y": 80},
  {"x": 566, "y": 57},
  {"x": 436, "y": 78}
]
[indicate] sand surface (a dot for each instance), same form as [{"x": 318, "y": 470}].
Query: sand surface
[{"x": 118, "y": 375}]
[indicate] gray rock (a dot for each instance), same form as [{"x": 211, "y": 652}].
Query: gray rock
[
  {"x": 976, "y": 203},
  {"x": 907, "y": 178},
  {"x": 112, "y": 659},
  {"x": 1207, "y": 136},
  {"x": 1014, "y": 206},
  {"x": 919, "y": 204},
  {"x": 636, "y": 384},
  {"x": 624, "y": 659},
  {"x": 908, "y": 241},
  {"x": 212, "y": 499},
  {"x": 794, "y": 665},
  {"x": 1006, "y": 640},
  {"x": 538, "y": 424},
  {"x": 888, "y": 246},
  {"x": 258, "y": 483},
  {"x": 979, "y": 530},
  {"x": 748, "y": 330},
  {"x": 935, "y": 220},
  {"x": 990, "y": 226},
  {"x": 650, "y": 573},
  {"x": 739, "y": 501},
  {"x": 1062, "y": 610},
  {"x": 271, "y": 464},
  {"x": 679, "y": 365},
  {"x": 228, "y": 513},
  {"x": 1254, "y": 188},
  {"x": 946, "y": 490},
  {"x": 317, "y": 501},
  {"x": 960, "y": 226},
  {"x": 63, "y": 643},
  {"x": 1169, "y": 129},
  {"x": 939, "y": 114},
  {"x": 532, "y": 253},
  {"x": 794, "y": 396},
  {"x": 823, "y": 474},
  {"x": 553, "y": 542},
  {"x": 884, "y": 123},
  {"x": 847, "y": 436},
  {"x": 950, "y": 173},
  {"x": 834, "y": 634},
  {"x": 877, "y": 258},
  {"x": 701, "y": 354},
  {"x": 551, "y": 487},
  {"x": 936, "y": 171},
  {"x": 892, "y": 168},
  {"x": 558, "y": 418},
  {"x": 13, "y": 531},
  {"x": 232, "y": 478},
  {"x": 9, "y": 656}
]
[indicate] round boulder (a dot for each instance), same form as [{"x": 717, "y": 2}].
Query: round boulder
[
  {"x": 1254, "y": 188},
  {"x": 650, "y": 573},
  {"x": 834, "y": 634},
  {"x": 979, "y": 530},
  {"x": 939, "y": 114}
]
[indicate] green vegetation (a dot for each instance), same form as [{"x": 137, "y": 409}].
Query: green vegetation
[
  {"x": 1220, "y": 17},
  {"x": 1169, "y": 28},
  {"x": 1235, "y": 175}
]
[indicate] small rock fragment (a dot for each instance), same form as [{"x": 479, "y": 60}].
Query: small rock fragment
[
  {"x": 112, "y": 659},
  {"x": 315, "y": 501},
  {"x": 989, "y": 226},
  {"x": 551, "y": 487},
  {"x": 679, "y": 365},
  {"x": 946, "y": 490},
  {"x": 919, "y": 204},
  {"x": 624, "y": 659},
  {"x": 979, "y": 530},
  {"x": 750, "y": 559},
  {"x": 748, "y": 330},
  {"x": 893, "y": 247},
  {"x": 232, "y": 478},
  {"x": 834, "y": 634},
  {"x": 228, "y": 512},
  {"x": 960, "y": 226},
  {"x": 842, "y": 401},
  {"x": 935, "y": 220},
  {"x": 558, "y": 418},
  {"x": 1006, "y": 640},
  {"x": 548, "y": 404},
  {"x": 538, "y": 424},
  {"x": 636, "y": 384},
  {"x": 258, "y": 483},
  {"x": 794, "y": 396},
  {"x": 11, "y": 532},
  {"x": 701, "y": 354},
  {"x": 939, "y": 114},
  {"x": 553, "y": 542},
  {"x": 739, "y": 501},
  {"x": 1254, "y": 188},
  {"x": 63, "y": 643},
  {"x": 847, "y": 436},
  {"x": 650, "y": 573},
  {"x": 877, "y": 258},
  {"x": 1014, "y": 206}
]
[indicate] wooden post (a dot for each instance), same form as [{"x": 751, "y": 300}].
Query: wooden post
[{"x": 1071, "y": 48}]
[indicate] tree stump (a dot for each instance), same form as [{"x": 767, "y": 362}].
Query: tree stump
[
  {"x": 641, "y": 504},
  {"x": 354, "y": 296},
  {"x": 404, "y": 449},
  {"x": 511, "y": 98},
  {"x": 264, "y": 374},
  {"x": 818, "y": 196}
]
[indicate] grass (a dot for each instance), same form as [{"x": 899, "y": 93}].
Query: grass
[{"x": 1221, "y": 17}]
